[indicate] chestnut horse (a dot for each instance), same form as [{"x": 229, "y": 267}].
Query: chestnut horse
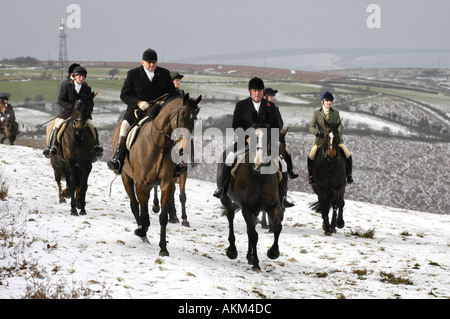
[
  {"x": 149, "y": 162},
  {"x": 253, "y": 190},
  {"x": 73, "y": 162},
  {"x": 329, "y": 173}
]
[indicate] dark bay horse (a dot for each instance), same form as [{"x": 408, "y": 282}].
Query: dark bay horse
[
  {"x": 253, "y": 191},
  {"x": 329, "y": 173},
  {"x": 283, "y": 183},
  {"x": 172, "y": 209},
  {"x": 73, "y": 162},
  {"x": 149, "y": 162},
  {"x": 10, "y": 127}
]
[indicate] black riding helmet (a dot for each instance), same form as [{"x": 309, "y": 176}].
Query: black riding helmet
[{"x": 79, "y": 70}]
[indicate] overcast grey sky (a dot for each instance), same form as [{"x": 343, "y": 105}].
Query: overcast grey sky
[{"x": 118, "y": 30}]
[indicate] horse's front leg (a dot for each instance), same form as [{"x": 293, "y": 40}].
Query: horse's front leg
[
  {"x": 81, "y": 198},
  {"x": 128, "y": 183},
  {"x": 340, "y": 220},
  {"x": 144, "y": 218},
  {"x": 155, "y": 207},
  {"x": 72, "y": 189},
  {"x": 231, "y": 251},
  {"x": 252, "y": 253},
  {"x": 183, "y": 200},
  {"x": 276, "y": 218},
  {"x": 167, "y": 190},
  {"x": 324, "y": 208}
]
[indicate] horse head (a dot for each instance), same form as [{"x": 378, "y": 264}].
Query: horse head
[
  {"x": 260, "y": 142},
  {"x": 82, "y": 111},
  {"x": 331, "y": 139},
  {"x": 182, "y": 122}
]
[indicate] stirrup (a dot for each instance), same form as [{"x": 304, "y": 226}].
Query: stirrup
[
  {"x": 115, "y": 166},
  {"x": 292, "y": 175},
  {"x": 219, "y": 192},
  {"x": 311, "y": 181},
  {"x": 349, "y": 179}
]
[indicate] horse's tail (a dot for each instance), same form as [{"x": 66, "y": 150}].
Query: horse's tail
[
  {"x": 315, "y": 207},
  {"x": 329, "y": 199}
]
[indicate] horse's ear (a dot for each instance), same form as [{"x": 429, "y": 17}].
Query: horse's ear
[
  {"x": 95, "y": 94},
  {"x": 186, "y": 98},
  {"x": 198, "y": 99},
  {"x": 284, "y": 132}
]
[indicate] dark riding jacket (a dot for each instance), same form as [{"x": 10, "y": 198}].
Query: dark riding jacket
[
  {"x": 68, "y": 96},
  {"x": 137, "y": 87},
  {"x": 244, "y": 111},
  {"x": 318, "y": 124}
]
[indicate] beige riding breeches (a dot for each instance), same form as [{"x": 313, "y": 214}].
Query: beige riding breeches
[{"x": 313, "y": 152}]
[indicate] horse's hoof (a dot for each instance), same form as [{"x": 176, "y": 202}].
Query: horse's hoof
[
  {"x": 74, "y": 213},
  {"x": 273, "y": 253},
  {"x": 83, "y": 213},
  {"x": 140, "y": 232},
  {"x": 155, "y": 209},
  {"x": 174, "y": 220},
  {"x": 340, "y": 224},
  {"x": 185, "y": 223},
  {"x": 164, "y": 253},
  {"x": 328, "y": 233},
  {"x": 232, "y": 254},
  {"x": 256, "y": 268},
  {"x": 66, "y": 193}
]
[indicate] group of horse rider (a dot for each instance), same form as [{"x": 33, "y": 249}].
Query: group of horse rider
[
  {"x": 5, "y": 108},
  {"x": 145, "y": 85}
]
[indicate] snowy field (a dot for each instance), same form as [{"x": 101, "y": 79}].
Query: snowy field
[{"x": 45, "y": 250}]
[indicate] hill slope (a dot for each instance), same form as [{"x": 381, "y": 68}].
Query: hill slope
[{"x": 45, "y": 250}]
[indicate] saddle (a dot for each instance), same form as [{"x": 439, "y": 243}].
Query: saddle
[
  {"x": 141, "y": 118},
  {"x": 134, "y": 130},
  {"x": 64, "y": 126},
  {"x": 241, "y": 159}
]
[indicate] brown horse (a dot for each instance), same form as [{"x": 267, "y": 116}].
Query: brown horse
[
  {"x": 10, "y": 127},
  {"x": 329, "y": 172},
  {"x": 149, "y": 162},
  {"x": 253, "y": 191},
  {"x": 73, "y": 162}
]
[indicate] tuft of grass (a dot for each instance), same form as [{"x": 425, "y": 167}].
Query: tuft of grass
[
  {"x": 394, "y": 280},
  {"x": 363, "y": 234}
]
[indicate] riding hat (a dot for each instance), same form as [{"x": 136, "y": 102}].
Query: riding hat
[
  {"x": 327, "y": 96},
  {"x": 175, "y": 75},
  {"x": 79, "y": 70},
  {"x": 270, "y": 91},
  {"x": 256, "y": 83},
  {"x": 150, "y": 56},
  {"x": 72, "y": 67}
]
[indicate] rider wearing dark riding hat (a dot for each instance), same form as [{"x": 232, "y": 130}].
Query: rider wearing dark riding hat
[
  {"x": 70, "y": 92},
  {"x": 269, "y": 95},
  {"x": 317, "y": 128},
  {"x": 142, "y": 85},
  {"x": 243, "y": 117}
]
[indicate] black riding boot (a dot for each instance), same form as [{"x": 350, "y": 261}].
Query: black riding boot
[
  {"x": 290, "y": 167},
  {"x": 98, "y": 150},
  {"x": 51, "y": 148},
  {"x": 116, "y": 163},
  {"x": 192, "y": 154},
  {"x": 224, "y": 181},
  {"x": 311, "y": 179},
  {"x": 349, "y": 169}
]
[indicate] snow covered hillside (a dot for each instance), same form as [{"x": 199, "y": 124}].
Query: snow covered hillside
[{"x": 45, "y": 252}]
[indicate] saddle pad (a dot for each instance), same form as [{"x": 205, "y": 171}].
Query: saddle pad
[
  {"x": 64, "y": 126},
  {"x": 134, "y": 132}
]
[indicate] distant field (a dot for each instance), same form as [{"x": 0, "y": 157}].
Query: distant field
[{"x": 396, "y": 124}]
